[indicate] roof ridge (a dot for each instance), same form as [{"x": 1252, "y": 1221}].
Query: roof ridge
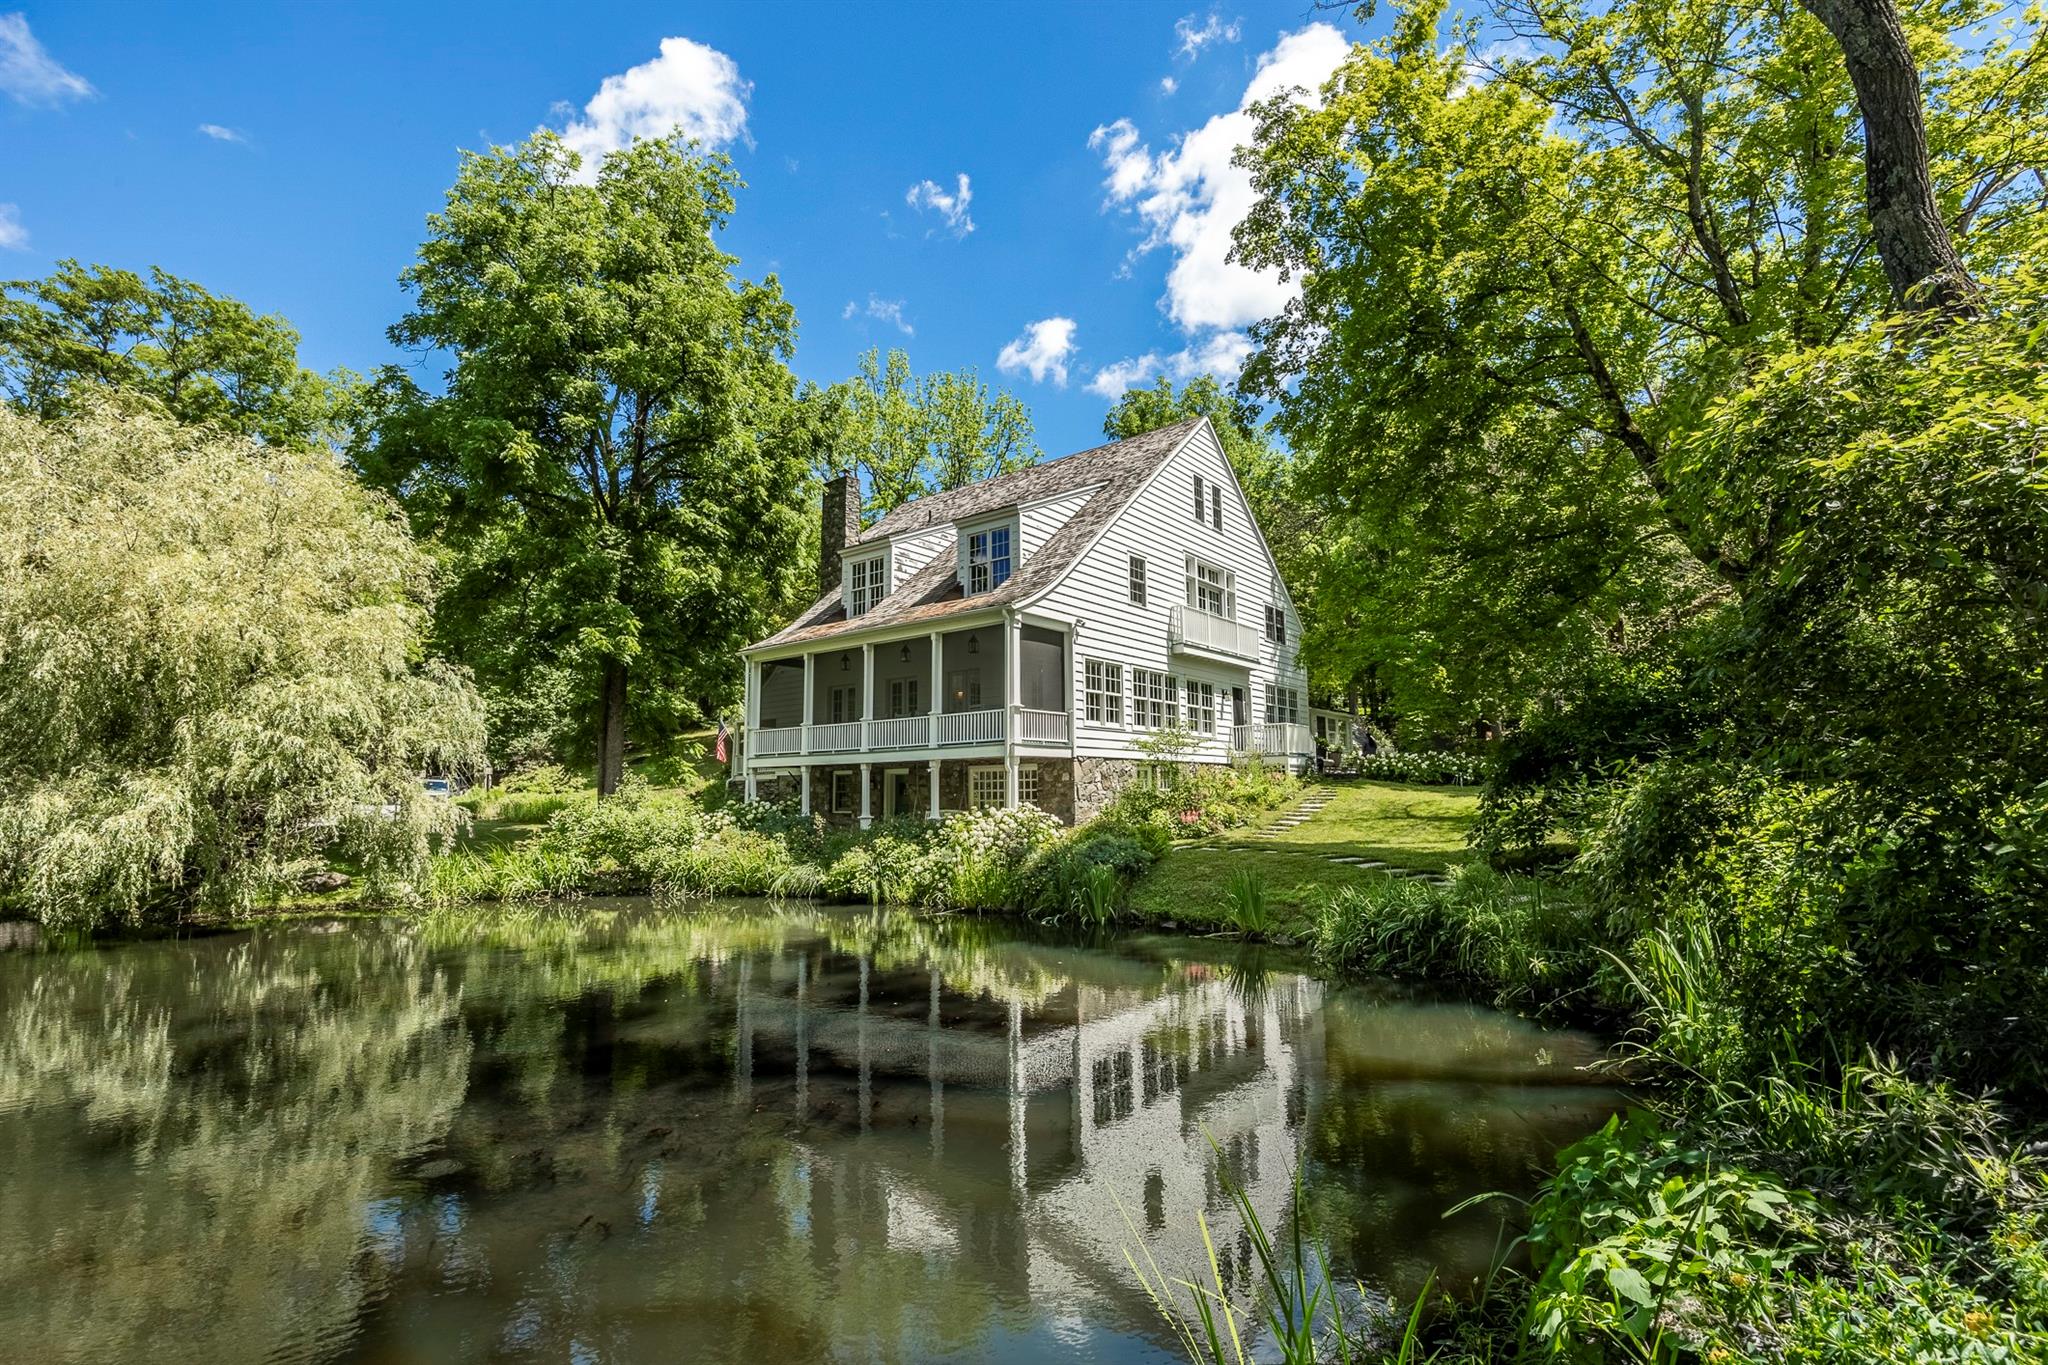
[{"x": 933, "y": 504}]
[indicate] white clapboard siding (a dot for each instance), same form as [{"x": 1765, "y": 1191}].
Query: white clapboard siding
[
  {"x": 909, "y": 553},
  {"x": 1160, "y": 525}
]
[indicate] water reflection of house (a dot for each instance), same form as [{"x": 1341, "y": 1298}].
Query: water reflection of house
[{"x": 1085, "y": 1120}]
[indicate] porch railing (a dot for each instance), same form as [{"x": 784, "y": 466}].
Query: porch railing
[
  {"x": 900, "y": 732},
  {"x": 986, "y": 726},
  {"x": 1271, "y": 738},
  {"x": 1042, "y": 727},
  {"x": 788, "y": 740},
  {"x": 971, "y": 727},
  {"x": 842, "y": 737}
]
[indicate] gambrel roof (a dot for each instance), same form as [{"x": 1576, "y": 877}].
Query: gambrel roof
[{"x": 1115, "y": 472}]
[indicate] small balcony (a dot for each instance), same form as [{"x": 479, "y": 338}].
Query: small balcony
[
  {"x": 1287, "y": 741},
  {"x": 1190, "y": 631}
]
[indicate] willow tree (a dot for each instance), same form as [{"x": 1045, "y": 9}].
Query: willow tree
[
  {"x": 613, "y": 465},
  {"x": 1532, "y": 250},
  {"x": 210, "y": 664}
]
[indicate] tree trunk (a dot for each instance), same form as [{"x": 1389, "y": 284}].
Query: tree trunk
[
  {"x": 1920, "y": 258},
  {"x": 611, "y": 741}
]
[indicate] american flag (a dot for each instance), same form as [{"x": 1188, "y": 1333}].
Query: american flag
[{"x": 720, "y": 751}]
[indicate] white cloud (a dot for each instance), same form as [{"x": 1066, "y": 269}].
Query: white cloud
[
  {"x": 220, "y": 133},
  {"x": 690, "y": 87},
  {"x": 1191, "y": 197},
  {"x": 1167, "y": 85},
  {"x": 1221, "y": 354},
  {"x": 29, "y": 73},
  {"x": 951, "y": 206},
  {"x": 1041, "y": 351},
  {"x": 881, "y": 310},
  {"x": 13, "y": 236},
  {"x": 1193, "y": 39}
]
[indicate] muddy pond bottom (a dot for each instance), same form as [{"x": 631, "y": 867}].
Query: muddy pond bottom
[{"x": 617, "y": 1133}]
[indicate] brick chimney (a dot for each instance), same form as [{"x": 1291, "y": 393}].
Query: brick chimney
[{"x": 840, "y": 527}]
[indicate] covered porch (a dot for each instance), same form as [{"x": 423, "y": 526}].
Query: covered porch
[{"x": 987, "y": 689}]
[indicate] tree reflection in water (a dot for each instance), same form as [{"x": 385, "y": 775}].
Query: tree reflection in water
[{"x": 739, "y": 1132}]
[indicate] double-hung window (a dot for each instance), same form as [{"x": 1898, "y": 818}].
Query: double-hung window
[
  {"x": 1137, "y": 581},
  {"x": 1209, "y": 502},
  {"x": 1276, "y": 624},
  {"x": 988, "y": 559},
  {"x": 1104, "y": 692},
  {"x": 1211, "y": 589},
  {"x": 1283, "y": 706},
  {"x": 1154, "y": 703},
  {"x": 867, "y": 584},
  {"x": 1201, "y": 499},
  {"x": 1216, "y": 506},
  {"x": 1027, "y": 784},
  {"x": 1201, "y": 707}
]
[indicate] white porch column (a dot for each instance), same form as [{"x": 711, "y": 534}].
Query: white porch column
[
  {"x": 1013, "y": 702},
  {"x": 808, "y": 690},
  {"x": 938, "y": 704},
  {"x": 867, "y": 701},
  {"x": 750, "y": 723},
  {"x": 804, "y": 786},
  {"x": 932, "y": 792},
  {"x": 867, "y": 816}
]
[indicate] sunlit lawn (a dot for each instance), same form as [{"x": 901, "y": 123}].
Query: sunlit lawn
[{"x": 1405, "y": 826}]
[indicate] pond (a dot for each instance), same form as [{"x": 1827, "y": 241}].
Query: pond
[{"x": 614, "y": 1133}]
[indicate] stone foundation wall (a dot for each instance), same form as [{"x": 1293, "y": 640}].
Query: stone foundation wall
[
  {"x": 1056, "y": 787},
  {"x": 1096, "y": 783}
]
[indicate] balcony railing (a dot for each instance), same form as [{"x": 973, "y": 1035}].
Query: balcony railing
[
  {"x": 1271, "y": 738},
  {"x": 1188, "y": 628}
]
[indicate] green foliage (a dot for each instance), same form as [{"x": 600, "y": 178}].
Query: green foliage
[
  {"x": 617, "y": 467},
  {"x": 908, "y": 436},
  {"x": 1535, "y": 250},
  {"x": 90, "y": 335},
  {"x": 1645, "y": 1249},
  {"x": 1244, "y": 900},
  {"x": 210, "y": 666}
]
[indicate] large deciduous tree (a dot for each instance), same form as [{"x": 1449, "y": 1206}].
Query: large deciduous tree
[
  {"x": 907, "y": 436},
  {"x": 211, "y": 661},
  {"x": 615, "y": 466},
  {"x": 1531, "y": 251},
  {"x": 68, "y": 340}
]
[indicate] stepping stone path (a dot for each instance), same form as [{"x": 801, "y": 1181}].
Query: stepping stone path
[{"x": 1317, "y": 798}]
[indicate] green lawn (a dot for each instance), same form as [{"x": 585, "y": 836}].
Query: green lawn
[
  {"x": 1390, "y": 822},
  {"x": 1420, "y": 827}
]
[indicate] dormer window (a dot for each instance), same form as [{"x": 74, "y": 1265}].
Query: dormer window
[
  {"x": 867, "y": 583},
  {"x": 988, "y": 559}
]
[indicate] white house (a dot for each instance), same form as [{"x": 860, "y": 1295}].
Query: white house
[{"x": 1013, "y": 640}]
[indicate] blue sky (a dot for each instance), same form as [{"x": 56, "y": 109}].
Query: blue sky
[{"x": 287, "y": 154}]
